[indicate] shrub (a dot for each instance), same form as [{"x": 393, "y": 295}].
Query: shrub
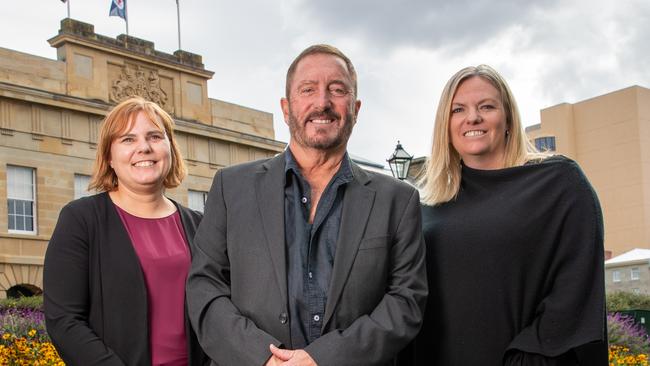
[
  {"x": 31, "y": 302},
  {"x": 623, "y": 331},
  {"x": 621, "y": 300}
]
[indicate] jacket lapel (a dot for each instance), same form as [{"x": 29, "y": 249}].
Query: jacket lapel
[
  {"x": 189, "y": 224},
  {"x": 269, "y": 189},
  {"x": 357, "y": 205}
]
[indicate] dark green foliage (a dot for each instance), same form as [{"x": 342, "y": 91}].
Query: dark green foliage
[
  {"x": 32, "y": 303},
  {"x": 620, "y": 300}
]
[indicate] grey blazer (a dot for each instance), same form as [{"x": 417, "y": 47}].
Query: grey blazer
[{"x": 237, "y": 286}]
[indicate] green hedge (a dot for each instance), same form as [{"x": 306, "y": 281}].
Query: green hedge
[
  {"x": 32, "y": 302},
  {"x": 620, "y": 300}
]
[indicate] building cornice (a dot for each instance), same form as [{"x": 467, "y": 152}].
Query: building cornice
[
  {"x": 22, "y": 259},
  {"x": 100, "y": 108}
]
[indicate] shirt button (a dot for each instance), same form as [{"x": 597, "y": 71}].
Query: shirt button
[
  {"x": 316, "y": 318},
  {"x": 283, "y": 318},
  {"x": 303, "y": 200}
]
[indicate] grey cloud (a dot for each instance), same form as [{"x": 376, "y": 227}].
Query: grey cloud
[
  {"x": 551, "y": 51},
  {"x": 592, "y": 52},
  {"x": 419, "y": 23},
  {"x": 634, "y": 58}
]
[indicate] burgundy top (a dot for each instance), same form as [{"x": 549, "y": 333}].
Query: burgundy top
[{"x": 165, "y": 260}]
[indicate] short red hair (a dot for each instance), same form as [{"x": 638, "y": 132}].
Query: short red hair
[{"x": 119, "y": 120}]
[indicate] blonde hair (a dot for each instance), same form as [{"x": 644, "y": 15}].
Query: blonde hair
[
  {"x": 119, "y": 120},
  {"x": 440, "y": 180}
]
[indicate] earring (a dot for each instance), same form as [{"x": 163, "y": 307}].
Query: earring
[{"x": 507, "y": 132}]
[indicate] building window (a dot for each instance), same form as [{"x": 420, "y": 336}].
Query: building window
[
  {"x": 196, "y": 200},
  {"x": 616, "y": 276},
  {"x": 545, "y": 143},
  {"x": 81, "y": 185},
  {"x": 21, "y": 200},
  {"x": 23, "y": 290},
  {"x": 635, "y": 274}
]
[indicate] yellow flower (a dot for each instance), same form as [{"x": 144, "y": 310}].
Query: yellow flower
[
  {"x": 31, "y": 333},
  {"x": 6, "y": 336}
]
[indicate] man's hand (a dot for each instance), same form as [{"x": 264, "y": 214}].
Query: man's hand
[
  {"x": 288, "y": 357},
  {"x": 273, "y": 361}
]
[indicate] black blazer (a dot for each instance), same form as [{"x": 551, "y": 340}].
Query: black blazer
[{"x": 95, "y": 297}]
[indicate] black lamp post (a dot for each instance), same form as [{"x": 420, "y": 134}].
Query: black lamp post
[{"x": 399, "y": 162}]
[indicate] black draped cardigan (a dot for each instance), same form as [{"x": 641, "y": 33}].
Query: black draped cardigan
[{"x": 515, "y": 267}]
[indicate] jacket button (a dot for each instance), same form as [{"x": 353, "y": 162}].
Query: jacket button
[{"x": 283, "y": 318}]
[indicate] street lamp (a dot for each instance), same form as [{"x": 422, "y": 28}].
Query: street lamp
[{"x": 399, "y": 162}]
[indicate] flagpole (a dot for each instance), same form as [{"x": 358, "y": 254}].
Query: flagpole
[
  {"x": 178, "y": 17},
  {"x": 126, "y": 16},
  {"x": 68, "y": 3}
]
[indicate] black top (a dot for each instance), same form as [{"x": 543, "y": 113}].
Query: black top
[
  {"x": 515, "y": 269},
  {"x": 310, "y": 248},
  {"x": 95, "y": 297}
]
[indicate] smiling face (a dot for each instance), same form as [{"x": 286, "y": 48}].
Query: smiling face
[
  {"x": 477, "y": 124},
  {"x": 141, "y": 156},
  {"x": 321, "y": 108}
]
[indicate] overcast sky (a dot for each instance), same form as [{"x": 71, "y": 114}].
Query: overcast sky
[{"x": 549, "y": 51}]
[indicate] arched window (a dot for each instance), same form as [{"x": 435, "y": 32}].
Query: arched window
[{"x": 23, "y": 290}]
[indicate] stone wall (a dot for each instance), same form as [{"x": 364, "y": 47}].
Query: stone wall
[
  {"x": 642, "y": 285},
  {"x": 32, "y": 71},
  {"x": 242, "y": 119}
]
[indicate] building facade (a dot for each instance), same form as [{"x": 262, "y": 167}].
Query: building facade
[
  {"x": 629, "y": 272},
  {"x": 50, "y": 115},
  {"x": 609, "y": 137}
]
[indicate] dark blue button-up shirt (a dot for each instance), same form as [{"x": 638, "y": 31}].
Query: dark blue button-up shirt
[{"x": 310, "y": 247}]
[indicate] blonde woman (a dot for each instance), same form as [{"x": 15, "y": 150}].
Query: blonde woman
[
  {"x": 514, "y": 240},
  {"x": 116, "y": 265}
]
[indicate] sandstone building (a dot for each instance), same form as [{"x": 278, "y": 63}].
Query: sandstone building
[{"x": 50, "y": 113}]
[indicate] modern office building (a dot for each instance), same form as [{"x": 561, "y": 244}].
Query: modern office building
[{"x": 609, "y": 136}]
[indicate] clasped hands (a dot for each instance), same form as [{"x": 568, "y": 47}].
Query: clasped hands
[{"x": 287, "y": 357}]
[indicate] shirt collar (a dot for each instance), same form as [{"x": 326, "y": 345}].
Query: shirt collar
[{"x": 344, "y": 173}]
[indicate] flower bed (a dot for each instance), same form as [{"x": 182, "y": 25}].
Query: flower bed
[
  {"x": 629, "y": 344},
  {"x": 23, "y": 339},
  {"x": 622, "y": 356}
]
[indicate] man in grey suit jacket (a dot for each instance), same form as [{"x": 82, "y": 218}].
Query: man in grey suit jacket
[{"x": 304, "y": 258}]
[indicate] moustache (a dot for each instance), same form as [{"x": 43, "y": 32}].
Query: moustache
[{"x": 324, "y": 114}]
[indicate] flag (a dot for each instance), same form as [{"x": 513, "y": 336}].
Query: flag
[
  {"x": 63, "y": 1},
  {"x": 118, "y": 9}
]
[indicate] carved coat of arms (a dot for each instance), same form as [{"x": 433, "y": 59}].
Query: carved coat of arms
[{"x": 135, "y": 80}]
